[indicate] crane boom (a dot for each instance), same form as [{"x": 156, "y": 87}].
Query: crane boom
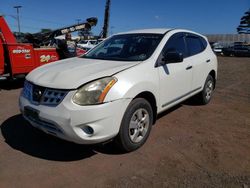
[{"x": 40, "y": 39}]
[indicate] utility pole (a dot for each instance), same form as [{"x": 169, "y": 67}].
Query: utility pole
[
  {"x": 106, "y": 20},
  {"x": 78, "y": 21},
  {"x": 18, "y": 19}
]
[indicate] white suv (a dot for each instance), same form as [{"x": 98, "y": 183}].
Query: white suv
[{"x": 116, "y": 90}]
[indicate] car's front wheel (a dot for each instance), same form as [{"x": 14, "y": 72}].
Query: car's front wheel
[{"x": 136, "y": 125}]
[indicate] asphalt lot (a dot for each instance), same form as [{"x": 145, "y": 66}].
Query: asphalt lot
[{"x": 189, "y": 146}]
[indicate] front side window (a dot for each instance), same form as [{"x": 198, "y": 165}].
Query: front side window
[
  {"x": 176, "y": 44},
  {"x": 126, "y": 47}
]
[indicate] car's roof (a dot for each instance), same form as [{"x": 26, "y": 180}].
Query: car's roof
[
  {"x": 156, "y": 31},
  {"x": 159, "y": 31}
]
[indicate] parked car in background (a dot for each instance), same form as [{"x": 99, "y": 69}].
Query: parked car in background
[
  {"x": 217, "y": 47},
  {"x": 242, "y": 50},
  {"x": 116, "y": 90},
  {"x": 88, "y": 44},
  {"x": 228, "y": 51},
  {"x": 238, "y": 49}
]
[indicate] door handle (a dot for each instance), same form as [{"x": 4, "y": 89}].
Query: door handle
[
  {"x": 208, "y": 61},
  {"x": 189, "y": 67}
]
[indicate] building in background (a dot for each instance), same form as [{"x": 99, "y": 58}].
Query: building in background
[{"x": 228, "y": 39}]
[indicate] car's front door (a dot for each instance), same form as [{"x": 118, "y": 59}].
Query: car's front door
[{"x": 174, "y": 78}]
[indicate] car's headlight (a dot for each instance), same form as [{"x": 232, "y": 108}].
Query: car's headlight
[{"x": 94, "y": 92}]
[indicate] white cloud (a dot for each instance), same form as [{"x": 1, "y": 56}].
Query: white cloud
[{"x": 157, "y": 17}]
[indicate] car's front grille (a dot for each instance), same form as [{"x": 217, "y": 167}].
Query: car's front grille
[
  {"x": 53, "y": 97},
  {"x": 37, "y": 93},
  {"x": 42, "y": 95}
]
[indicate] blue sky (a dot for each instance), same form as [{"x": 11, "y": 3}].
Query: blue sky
[{"x": 204, "y": 16}]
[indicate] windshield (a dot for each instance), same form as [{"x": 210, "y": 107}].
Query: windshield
[{"x": 126, "y": 47}]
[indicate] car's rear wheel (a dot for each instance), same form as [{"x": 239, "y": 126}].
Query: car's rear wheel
[
  {"x": 206, "y": 94},
  {"x": 136, "y": 125}
]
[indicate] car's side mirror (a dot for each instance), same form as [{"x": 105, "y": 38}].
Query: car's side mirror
[{"x": 172, "y": 57}]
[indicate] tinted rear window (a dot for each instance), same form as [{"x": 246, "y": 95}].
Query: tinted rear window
[{"x": 194, "y": 45}]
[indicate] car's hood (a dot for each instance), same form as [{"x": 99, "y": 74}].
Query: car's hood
[{"x": 72, "y": 73}]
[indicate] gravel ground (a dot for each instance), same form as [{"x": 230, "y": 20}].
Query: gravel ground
[{"x": 189, "y": 146}]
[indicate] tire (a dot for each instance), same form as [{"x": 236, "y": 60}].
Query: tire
[
  {"x": 135, "y": 126},
  {"x": 205, "y": 95}
]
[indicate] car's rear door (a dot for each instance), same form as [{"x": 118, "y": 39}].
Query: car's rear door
[{"x": 199, "y": 59}]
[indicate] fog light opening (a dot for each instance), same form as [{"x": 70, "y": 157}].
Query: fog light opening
[{"x": 88, "y": 130}]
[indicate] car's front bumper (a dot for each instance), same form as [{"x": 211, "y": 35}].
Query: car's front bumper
[{"x": 71, "y": 122}]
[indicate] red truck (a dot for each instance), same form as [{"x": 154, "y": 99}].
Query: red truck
[{"x": 18, "y": 59}]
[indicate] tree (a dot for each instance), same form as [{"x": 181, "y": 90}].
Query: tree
[
  {"x": 244, "y": 27},
  {"x": 45, "y": 30}
]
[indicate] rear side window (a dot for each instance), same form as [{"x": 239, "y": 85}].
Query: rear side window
[{"x": 195, "y": 44}]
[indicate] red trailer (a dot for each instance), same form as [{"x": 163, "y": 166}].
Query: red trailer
[{"x": 18, "y": 59}]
